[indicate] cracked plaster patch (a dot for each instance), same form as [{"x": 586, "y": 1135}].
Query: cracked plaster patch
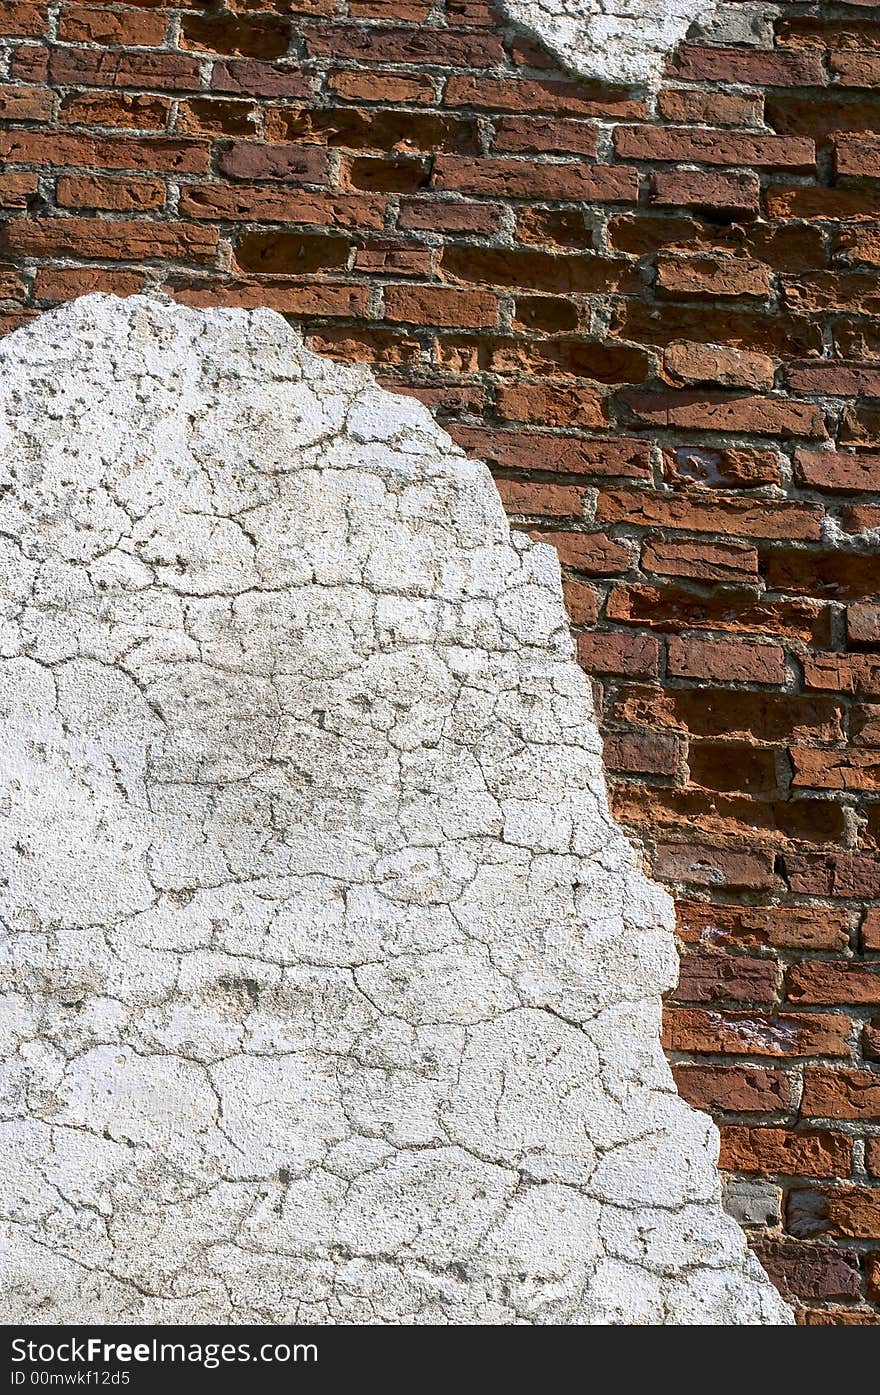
[
  {"x": 616, "y": 41},
  {"x": 332, "y": 991}
]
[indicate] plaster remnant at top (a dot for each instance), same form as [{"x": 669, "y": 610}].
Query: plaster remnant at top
[
  {"x": 614, "y": 41},
  {"x": 331, "y": 989}
]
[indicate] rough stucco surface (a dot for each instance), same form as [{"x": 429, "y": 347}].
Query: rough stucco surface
[
  {"x": 622, "y": 41},
  {"x": 333, "y": 991}
]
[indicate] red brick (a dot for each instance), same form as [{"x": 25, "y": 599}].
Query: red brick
[
  {"x": 58, "y": 149},
  {"x": 114, "y": 195},
  {"x": 705, "y": 146},
  {"x": 526, "y": 498},
  {"x": 838, "y": 574},
  {"x": 702, "y": 512},
  {"x": 441, "y": 305},
  {"x": 442, "y": 217},
  {"x": 124, "y": 110},
  {"x": 695, "y": 411},
  {"x": 535, "y": 135},
  {"x": 390, "y": 44},
  {"x": 291, "y": 254},
  {"x": 841, "y": 1094},
  {"x": 218, "y": 117},
  {"x": 863, "y": 625},
  {"x": 704, "y": 561},
  {"x": 287, "y": 296},
  {"x": 836, "y": 770},
  {"x": 720, "y": 978},
  {"x": 688, "y": 363},
  {"x": 728, "y": 190},
  {"x": 840, "y": 874},
  {"x": 755, "y": 1034},
  {"x": 85, "y": 24},
  {"x": 838, "y": 470},
  {"x": 698, "y": 865},
  {"x": 246, "y": 78},
  {"x": 766, "y": 822},
  {"x": 25, "y": 104},
  {"x": 255, "y": 36},
  {"x": 831, "y": 290},
  {"x": 758, "y": 716},
  {"x": 752, "y": 66},
  {"x": 21, "y": 20},
  {"x": 726, "y": 661},
  {"x": 643, "y": 752},
  {"x": 733, "y": 1089},
  {"x": 16, "y": 189},
  {"x": 689, "y": 104},
  {"x": 526, "y": 179},
  {"x": 853, "y": 673},
  {"x": 262, "y": 203},
  {"x": 871, "y": 929},
  {"x": 732, "y": 766},
  {"x": 815, "y": 1154},
  {"x": 850, "y": 1213},
  {"x": 549, "y": 97},
  {"x": 820, "y": 981},
  {"x": 676, "y": 608},
  {"x": 826, "y": 205},
  {"x": 571, "y": 406},
  {"x": 62, "y": 283},
  {"x": 570, "y": 455},
  {"x": 581, "y": 602},
  {"x": 565, "y": 275},
  {"x": 596, "y": 553},
  {"x": 858, "y": 155},
  {"x": 100, "y": 240},
  {"x": 811, "y": 1271},
  {"x": 614, "y": 652},
  {"x": 784, "y": 927},
  {"x": 289, "y": 164},
  {"x": 413, "y": 88},
  {"x": 69, "y": 67},
  {"x": 711, "y": 278}
]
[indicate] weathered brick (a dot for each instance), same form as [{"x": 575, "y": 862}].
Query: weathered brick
[
  {"x": 112, "y": 68},
  {"x": 289, "y": 164},
  {"x": 854, "y": 673},
  {"x": 733, "y": 1089},
  {"x": 643, "y": 752},
  {"x": 814, "y": 1154},
  {"x": 98, "y": 239},
  {"x": 683, "y": 105},
  {"x": 704, "y": 561},
  {"x": 525, "y": 498},
  {"x": 570, "y": 406},
  {"x": 702, "y": 512},
  {"x": 122, "y": 110},
  {"x": 849, "y": 1213},
  {"x": 594, "y": 552},
  {"x": 249, "y": 36},
  {"x": 838, "y": 470},
  {"x": 841, "y": 1094},
  {"x": 114, "y": 195},
  {"x": 759, "y": 716},
  {"x": 821, "y": 981},
  {"x": 569, "y": 455},
  {"x": 352, "y": 86},
  {"x": 526, "y": 179},
  {"x": 390, "y": 44},
  {"x": 811, "y": 1271},
  {"x": 93, "y": 24},
  {"x": 784, "y": 927},
  {"x": 695, "y": 411},
  {"x": 441, "y": 305},
  {"x": 58, "y": 149},
  {"x": 550, "y": 97},
  {"x": 726, "y": 661},
  {"x": 615, "y": 652},
  {"x": 721, "y": 467},
  {"x": 263, "y": 203},
  {"x": 696, "y": 864},
  {"x": 752, "y": 66},
  {"x": 685, "y": 362},
  {"x": 764, "y": 821},
  {"x": 673, "y": 608},
  {"x": 720, "y": 978},
  {"x": 711, "y": 278},
  {"x": 728, "y": 190},
  {"x": 755, "y": 1034},
  {"x": 535, "y": 135},
  {"x": 835, "y": 770},
  {"x": 705, "y": 146}
]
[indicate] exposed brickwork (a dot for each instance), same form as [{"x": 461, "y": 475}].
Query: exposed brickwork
[{"x": 659, "y": 320}]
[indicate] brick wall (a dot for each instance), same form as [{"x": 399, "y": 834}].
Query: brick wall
[{"x": 659, "y": 320}]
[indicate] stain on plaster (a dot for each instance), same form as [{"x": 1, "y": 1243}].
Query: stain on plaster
[{"x": 331, "y": 989}]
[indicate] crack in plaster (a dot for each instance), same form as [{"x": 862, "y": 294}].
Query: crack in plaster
[
  {"x": 332, "y": 991},
  {"x": 615, "y": 41}
]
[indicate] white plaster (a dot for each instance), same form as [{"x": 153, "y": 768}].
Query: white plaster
[
  {"x": 332, "y": 989},
  {"x": 615, "y": 41}
]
